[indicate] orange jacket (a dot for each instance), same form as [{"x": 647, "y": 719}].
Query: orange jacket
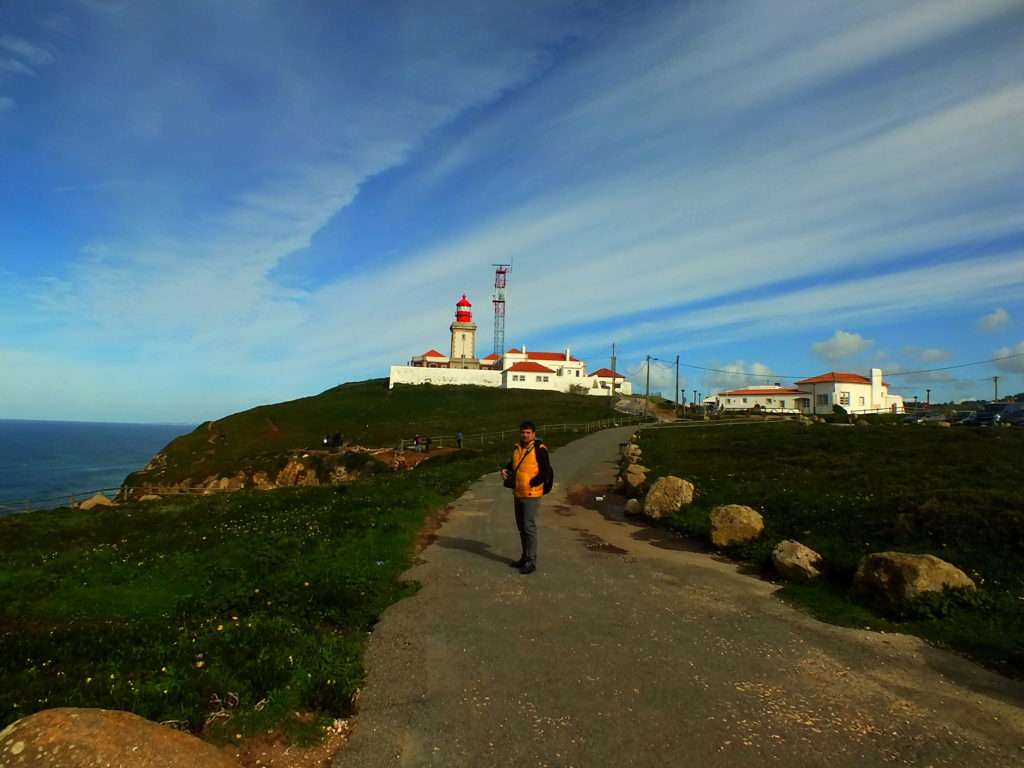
[{"x": 529, "y": 479}]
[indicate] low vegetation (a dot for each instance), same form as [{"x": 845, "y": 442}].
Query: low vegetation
[
  {"x": 846, "y": 492},
  {"x": 365, "y": 413},
  {"x": 230, "y": 613}
]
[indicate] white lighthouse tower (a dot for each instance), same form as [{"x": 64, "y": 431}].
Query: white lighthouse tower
[{"x": 463, "y": 336}]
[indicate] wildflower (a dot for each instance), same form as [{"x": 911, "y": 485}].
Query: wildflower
[
  {"x": 220, "y": 627},
  {"x": 200, "y": 664}
]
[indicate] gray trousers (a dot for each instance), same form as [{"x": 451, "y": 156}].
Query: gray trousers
[{"x": 526, "y": 522}]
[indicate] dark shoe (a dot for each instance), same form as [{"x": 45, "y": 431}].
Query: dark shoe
[
  {"x": 528, "y": 568},
  {"x": 518, "y": 563}
]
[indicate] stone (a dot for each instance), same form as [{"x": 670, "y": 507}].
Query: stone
[
  {"x": 796, "y": 562},
  {"x": 297, "y": 473},
  {"x": 149, "y": 497},
  {"x": 667, "y": 495},
  {"x": 261, "y": 481},
  {"x": 634, "y": 480},
  {"x": 943, "y": 424},
  {"x": 84, "y": 738},
  {"x": 735, "y": 524},
  {"x": 99, "y": 500},
  {"x": 634, "y": 508},
  {"x": 891, "y": 580},
  {"x": 863, "y": 423}
]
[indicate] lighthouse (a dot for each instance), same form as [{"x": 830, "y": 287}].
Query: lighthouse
[{"x": 463, "y": 336}]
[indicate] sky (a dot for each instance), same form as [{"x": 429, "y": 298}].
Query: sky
[{"x": 209, "y": 206}]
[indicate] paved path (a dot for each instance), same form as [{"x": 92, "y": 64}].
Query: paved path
[{"x": 626, "y": 648}]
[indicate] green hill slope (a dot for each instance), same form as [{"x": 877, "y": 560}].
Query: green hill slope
[{"x": 366, "y": 413}]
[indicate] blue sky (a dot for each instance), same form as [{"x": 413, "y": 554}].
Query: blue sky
[{"x": 206, "y": 206}]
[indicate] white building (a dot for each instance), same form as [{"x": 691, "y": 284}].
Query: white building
[
  {"x": 515, "y": 369},
  {"x": 816, "y": 395}
]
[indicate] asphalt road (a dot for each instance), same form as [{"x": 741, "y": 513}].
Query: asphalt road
[{"x": 627, "y": 648}]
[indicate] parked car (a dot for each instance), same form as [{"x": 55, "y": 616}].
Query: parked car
[
  {"x": 964, "y": 418},
  {"x": 1012, "y": 414},
  {"x": 995, "y": 414},
  {"x": 925, "y": 417}
]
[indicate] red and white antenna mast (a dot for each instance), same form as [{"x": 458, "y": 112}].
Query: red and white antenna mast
[{"x": 500, "y": 282}]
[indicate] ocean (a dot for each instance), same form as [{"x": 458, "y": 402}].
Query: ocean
[{"x": 48, "y": 461}]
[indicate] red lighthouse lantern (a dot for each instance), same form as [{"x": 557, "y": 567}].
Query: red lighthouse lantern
[{"x": 464, "y": 311}]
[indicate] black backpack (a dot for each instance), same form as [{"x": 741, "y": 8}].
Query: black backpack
[{"x": 549, "y": 479}]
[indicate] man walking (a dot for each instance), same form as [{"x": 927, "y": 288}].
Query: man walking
[{"x": 525, "y": 474}]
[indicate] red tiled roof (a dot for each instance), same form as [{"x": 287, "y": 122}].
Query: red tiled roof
[
  {"x": 834, "y": 376},
  {"x": 514, "y": 351},
  {"x": 492, "y": 356},
  {"x": 607, "y": 373},
  {"x": 527, "y": 367},
  {"x": 549, "y": 356},
  {"x": 758, "y": 391},
  {"x": 433, "y": 353}
]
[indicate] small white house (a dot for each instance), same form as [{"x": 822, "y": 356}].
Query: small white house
[{"x": 816, "y": 395}]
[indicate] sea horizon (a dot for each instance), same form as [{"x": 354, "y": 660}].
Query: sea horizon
[{"x": 51, "y": 461}]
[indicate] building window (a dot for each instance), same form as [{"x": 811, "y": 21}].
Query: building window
[
  {"x": 744, "y": 399},
  {"x": 861, "y": 400},
  {"x": 545, "y": 378},
  {"x": 782, "y": 403},
  {"x": 577, "y": 374},
  {"x": 844, "y": 398},
  {"x": 821, "y": 399},
  {"x": 540, "y": 378},
  {"x": 728, "y": 399}
]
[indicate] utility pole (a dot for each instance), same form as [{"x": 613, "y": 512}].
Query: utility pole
[
  {"x": 675, "y": 394},
  {"x": 928, "y": 396},
  {"x": 647, "y": 394},
  {"x": 695, "y": 398},
  {"x": 611, "y": 395},
  {"x": 995, "y": 383}
]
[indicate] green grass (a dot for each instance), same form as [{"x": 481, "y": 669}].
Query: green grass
[
  {"x": 367, "y": 413},
  {"x": 261, "y": 598},
  {"x": 846, "y": 492}
]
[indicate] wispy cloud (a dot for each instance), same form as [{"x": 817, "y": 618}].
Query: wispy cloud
[
  {"x": 24, "y": 57},
  {"x": 1015, "y": 358},
  {"x": 841, "y": 345},
  {"x": 6, "y": 103},
  {"x": 997, "y": 318}
]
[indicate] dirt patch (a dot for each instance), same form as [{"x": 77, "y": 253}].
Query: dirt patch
[
  {"x": 273, "y": 750},
  {"x": 594, "y": 543},
  {"x": 399, "y": 460},
  {"x": 563, "y": 510},
  {"x": 428, "y": 531}
]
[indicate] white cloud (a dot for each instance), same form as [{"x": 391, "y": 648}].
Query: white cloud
[
  {"x": 6, "y": 103},
  {"x": 926, "y": 355},
  {"x": 997, "y": 318},
  {"x": 1015, "y": 363},
  {"x": 15, "y": 67},
  {"x": 663, "y": 378},
  {"x": 841, "y": 345},
  {"x": 736, "y": 374},
  {"x": 25, "y": 50}
]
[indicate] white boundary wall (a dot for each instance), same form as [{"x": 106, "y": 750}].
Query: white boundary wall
[{"x": 408, "y": 374}]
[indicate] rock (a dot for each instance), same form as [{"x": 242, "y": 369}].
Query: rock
[
  {"x": 83, "y": 738},
  {"x": 734, "y": 524},
  {"x": 796, "y": 562},
  {"x": 890, "y": 580},
  {"x": 297, "y": 473},
  {"x": 149, "y": 497},
  {"x": 634, "y": 508},
  {"x": 667, "y": 495},
  {"x": 943, "y": 424},
  {"x": 99, "y": 500},
  {"x": 863, "y": 423},
  {"x": 634, "y": 480},
  {"x": 262, "y": 481}
]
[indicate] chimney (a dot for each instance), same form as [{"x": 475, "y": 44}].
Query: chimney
[
  {"x": 876, "y": 390},
  {"x": 567, "y": 354},
  {"x": 524, "y": 350}
]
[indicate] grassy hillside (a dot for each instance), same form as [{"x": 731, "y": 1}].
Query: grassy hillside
[
  {"x": 846, "y": 492},
  {"x": 367, "y": 413},
  {"x": 228, "y": 613}
]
